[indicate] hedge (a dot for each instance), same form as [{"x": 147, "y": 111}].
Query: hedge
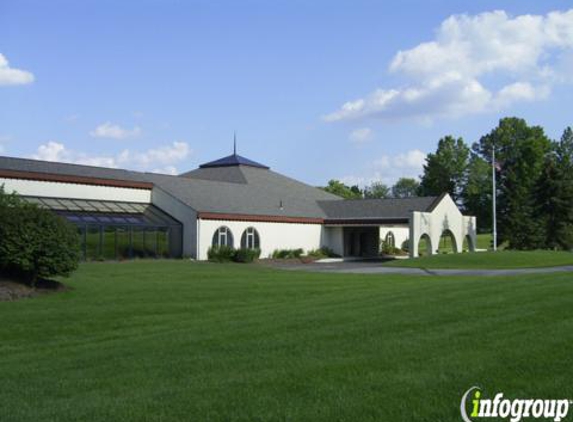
[{"x": 227, "y": 254}]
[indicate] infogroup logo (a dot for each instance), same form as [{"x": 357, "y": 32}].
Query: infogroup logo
[{"x": 515, "y": 410}]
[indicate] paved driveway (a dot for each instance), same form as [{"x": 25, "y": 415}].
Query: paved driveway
[{"x": 377, "y": 267}]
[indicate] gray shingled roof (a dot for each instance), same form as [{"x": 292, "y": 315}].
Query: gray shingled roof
[
  {"x": 233, "y": 190},
  {"x": 37, "y": 166},
  {"x": 246, "y": 190},
  {"x": 390, "y": 208},
  {"x": 240, "y": 190},
  {"x": 221, "y": 174}
]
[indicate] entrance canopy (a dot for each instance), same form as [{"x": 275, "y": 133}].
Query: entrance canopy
[
  {"x": 406, "y": 221},
  {"x": 374, "y": 211}
]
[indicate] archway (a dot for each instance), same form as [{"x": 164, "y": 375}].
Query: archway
[
  {"x": 468, "y": 245},
  {"x": 448, "y": 242},
  {"x": 425, "y": 246}
]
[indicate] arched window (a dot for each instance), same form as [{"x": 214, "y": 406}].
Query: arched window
[
  {"x": 389, "y": 240},
  {"x": 250, "y": 239},
  {"x": 223, "y": 237}
]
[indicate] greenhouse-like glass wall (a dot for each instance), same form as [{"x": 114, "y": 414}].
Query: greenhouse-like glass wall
[{"x": 119, "y": 230}]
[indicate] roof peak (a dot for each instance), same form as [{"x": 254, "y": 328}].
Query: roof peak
[{"x": 233, "y": 160}]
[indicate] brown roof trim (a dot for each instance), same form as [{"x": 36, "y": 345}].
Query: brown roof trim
[
  {"x": 259, "y": 218},
  {"x": 84, "y": 180}
]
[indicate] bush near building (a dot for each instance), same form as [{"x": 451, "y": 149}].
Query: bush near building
[
  {"x": 34, "y": 242},
  {"x": 287, "y": 253},
  {"x": 226, "y": 254}
]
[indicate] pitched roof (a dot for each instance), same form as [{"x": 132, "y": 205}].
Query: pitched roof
[
  {"x": 221, "y": 174},
  {"x": 240, "y": 189},
  {"x": 51, "y": 167},
  {"x": 245, "y": 190},
  {"x": 389, "y": 208}
]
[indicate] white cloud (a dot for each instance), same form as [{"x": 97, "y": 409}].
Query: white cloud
[
  {"x": 447, "y": 76},
  {"x": 113, "y": 131},
  {"x": 389, "y": 168},
  {"x": 171, "y": 170},
  {"x": 157, "y": 160},
  {"x": 163, "y": 156},
  {"x": 11, "y": 76},
  {"x": 360, "y": 136}
]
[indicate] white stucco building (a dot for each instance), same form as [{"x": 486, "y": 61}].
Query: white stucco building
[{"x": 232, "y": 201}]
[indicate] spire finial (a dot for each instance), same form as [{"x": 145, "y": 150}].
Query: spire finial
[{"x": 235, "y": 143}]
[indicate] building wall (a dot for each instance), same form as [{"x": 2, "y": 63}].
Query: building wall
[
  {"x": 445, "y": 216},
  {"x": 401, "y": 233},
  {"x": 75, "y": 190},
  {"x": 333, "y": 238},
  {"x": 184, "y": 214},
  {"x": 272, "y": 235}
]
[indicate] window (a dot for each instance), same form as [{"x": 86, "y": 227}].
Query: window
[
  {"x": 250, "y": 239},
  {"x": 389, "y": 240},
  {"x": 223, "y": 237}
]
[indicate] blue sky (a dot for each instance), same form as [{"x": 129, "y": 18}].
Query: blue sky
[{"x": 315, "y": 89}]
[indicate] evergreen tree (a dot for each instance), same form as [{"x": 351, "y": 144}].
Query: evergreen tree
[
  {"x": 476, "y": 192},
  {"x": 520, "y": 152},
  {"x": 445, "y": 169},
  {"x": 554, "y": 195}
]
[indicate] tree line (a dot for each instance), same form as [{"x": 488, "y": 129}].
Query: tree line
[{"x": 534, "y": 183}]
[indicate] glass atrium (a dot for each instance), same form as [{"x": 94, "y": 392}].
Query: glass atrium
[{"x": 118, "y": 230}]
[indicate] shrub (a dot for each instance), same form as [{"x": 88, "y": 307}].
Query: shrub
[
  {"x": 35, "y": 242},
  {"x": 220, "y": 253},
  {"x": 246, "y": 255},
  {"x": 287, "y": 253},
  {"x": 322, "y": 252},
  {"x": 228, "y": 254},
  {"x": 406, "y": 245},
  {"x": 387, "y": 249}
]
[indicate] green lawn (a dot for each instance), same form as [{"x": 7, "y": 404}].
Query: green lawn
[
  {"x": 182, "y": 341},
  {"x": 493, "y": 260}
]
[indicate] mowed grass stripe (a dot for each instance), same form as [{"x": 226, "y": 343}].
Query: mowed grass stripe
[
  {"x": 489, "y": 260},
  {"x": 170, "y": 340}
]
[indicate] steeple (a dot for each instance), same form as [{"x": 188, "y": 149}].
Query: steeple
[
  {"x": 235, "y": 143},
  {"x": 234, "y": 159}
]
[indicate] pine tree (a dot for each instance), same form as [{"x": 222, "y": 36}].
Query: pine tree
[
  {"x": 554, "y": 195},
  {"x": 476, "y": 193},
  {"x": 444, "y": 170},
  {"x": 520, "y": 151}
]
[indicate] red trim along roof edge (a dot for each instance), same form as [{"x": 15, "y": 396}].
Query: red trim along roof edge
[
  {"x": 260, "y": 218},
  {"x": 84, "y": 180}
]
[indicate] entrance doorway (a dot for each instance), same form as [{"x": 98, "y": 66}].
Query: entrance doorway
[{"x": 361, "y": 241}]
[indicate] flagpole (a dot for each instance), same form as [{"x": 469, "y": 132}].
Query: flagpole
[{"x": 494, "y": 199}]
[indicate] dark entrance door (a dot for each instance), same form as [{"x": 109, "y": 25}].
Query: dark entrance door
[{"x": 361, "y": 241}]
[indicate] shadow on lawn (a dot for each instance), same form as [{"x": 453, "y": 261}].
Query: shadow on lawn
[{"x": 12, "y": 289}]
